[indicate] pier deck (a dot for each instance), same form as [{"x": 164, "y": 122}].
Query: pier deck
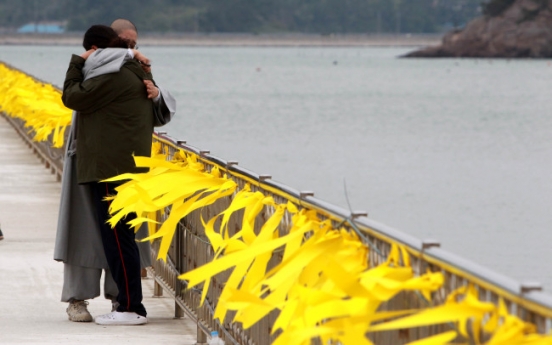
[{"x": 31, "y": 281}]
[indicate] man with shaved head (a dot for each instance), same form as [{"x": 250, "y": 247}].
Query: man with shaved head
[{"x": 127, "y": 31}]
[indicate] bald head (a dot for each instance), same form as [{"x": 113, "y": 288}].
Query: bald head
[
  {"x": 121, "y": 24},
  {"x": 126, "y": 30}
]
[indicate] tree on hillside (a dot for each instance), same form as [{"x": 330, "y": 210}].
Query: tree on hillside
[{"x": 312, "y": 16}]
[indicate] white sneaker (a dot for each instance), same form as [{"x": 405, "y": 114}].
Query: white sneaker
[{"x": 116, "y": 318}]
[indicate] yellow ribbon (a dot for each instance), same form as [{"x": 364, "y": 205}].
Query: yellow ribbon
[
  {"x": 38, "y": 104},
  {"x": 323, "y": 286}
]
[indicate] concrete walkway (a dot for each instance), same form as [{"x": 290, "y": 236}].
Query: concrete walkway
[{"x": 30, "y": 280}]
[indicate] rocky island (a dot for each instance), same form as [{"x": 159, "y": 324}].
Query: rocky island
[{"x": 506, "y": 29}]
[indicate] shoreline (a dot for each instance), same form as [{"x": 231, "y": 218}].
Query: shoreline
[{"x": 241, "y": 40}]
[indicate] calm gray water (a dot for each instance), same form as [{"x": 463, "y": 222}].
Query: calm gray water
[{"x": 454, "y": 150}]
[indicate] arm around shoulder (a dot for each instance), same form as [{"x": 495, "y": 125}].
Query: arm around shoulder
[
  {"x": 83, "y": 95},
  {"x": 74, "y": 72},
  {"x": 73, "y": 77}
]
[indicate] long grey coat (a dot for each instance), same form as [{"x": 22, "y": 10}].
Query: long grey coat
[{"x": 78, "y": 239}]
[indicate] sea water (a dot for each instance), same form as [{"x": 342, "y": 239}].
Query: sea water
[{"x": 457, "y": 150}]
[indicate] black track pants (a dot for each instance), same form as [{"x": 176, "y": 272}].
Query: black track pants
[{"x": 121, "y": 252}]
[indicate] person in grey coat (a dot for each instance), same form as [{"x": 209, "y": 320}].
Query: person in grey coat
[{"x": 78, "y": 240}]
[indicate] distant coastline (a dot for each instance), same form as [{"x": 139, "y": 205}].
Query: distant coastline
[{"x": 243, "y": 40}]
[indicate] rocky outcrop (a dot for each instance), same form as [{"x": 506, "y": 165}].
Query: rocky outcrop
[{"x": 522, "y": 30}]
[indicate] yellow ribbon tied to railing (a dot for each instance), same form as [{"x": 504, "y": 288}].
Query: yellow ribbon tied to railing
[
  {"x": 182, "y": 185},
  {"x": 322, "y": 285},
  {"x": 38, "y": 104},
  {"x": 336, "y": 298}
]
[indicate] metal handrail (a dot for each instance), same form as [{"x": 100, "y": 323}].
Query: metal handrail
[
  {"x": 50, "y": 156},
  {"x": 189, "y": 250},
  {"x": 524, "y": 299},
  {"x": 382, "y": 231}
]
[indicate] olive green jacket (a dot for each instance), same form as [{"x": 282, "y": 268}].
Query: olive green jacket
[{"x": 114, "y": 122}]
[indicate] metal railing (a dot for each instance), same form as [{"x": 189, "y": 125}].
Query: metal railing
[
  {"x": 190, "y": 249},
  {"x": 51, "y": 157}
]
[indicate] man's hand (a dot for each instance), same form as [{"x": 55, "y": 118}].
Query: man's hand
[
  {"x": 144, "y": 61},
  {"x": 87, "y": 53},
  {"x": 151, "y": 89}
]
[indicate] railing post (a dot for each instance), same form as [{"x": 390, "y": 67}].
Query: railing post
[
  {"x": 178, "y": 311},
  {"x": 356, "y": 214},
  {"x": 201, "y": 337},
  {"x": 306, "y": 193},
  {"x": 264, "y": 177},
  {"x": 157, "y": 290},
  {"x": 426, "y": 244},
  {"x": 527, "y": 287},
  {"x": 157, "y": 269}
]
